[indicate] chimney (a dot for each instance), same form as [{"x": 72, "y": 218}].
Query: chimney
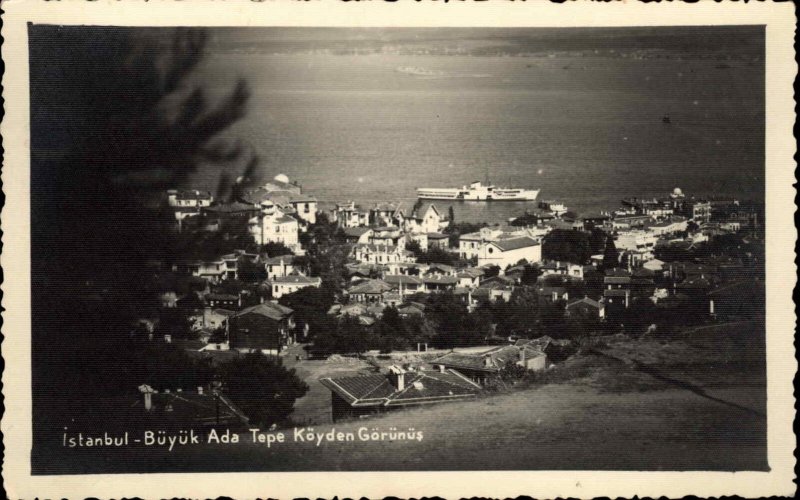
[
  {"x": 522, "y": 355},
  {"x": 442, "y": 369},
  {"x": 487, "y": 361},
  {"x": 627, "y": 298},
  {"x": 397, "y": 377}
]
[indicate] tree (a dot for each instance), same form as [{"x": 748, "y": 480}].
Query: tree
[
  {"x": 262, "y": 388},
  {"x": 115, "y": 120},
  {"x": 345, "y": 336},
  {"x": 610, "y": 255},
  {"x": 491, "y": 271},
  {"x": 530, "y": 274},
  {"x": 567, "y": 245},
  {"x": 436, "y": 255},
  {"x": 310, "y": 305},
  {"x": 276, "y": 249}
]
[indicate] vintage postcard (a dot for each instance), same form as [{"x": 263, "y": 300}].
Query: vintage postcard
[{"x": 360, "y": 249}]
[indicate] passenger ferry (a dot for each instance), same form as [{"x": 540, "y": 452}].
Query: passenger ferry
[{"x": 478, "y": 192}]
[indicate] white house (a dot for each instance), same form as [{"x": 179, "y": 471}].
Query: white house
[
  {"x": 380, "y": 254},
  {"x": 273, "y": 226},
  {"x": 350, "y": 215},
  {"x": 279, "y": 267},
  {"x": 639, "y": 244},
  {"x": 290, "y": 284},
  {"x": 508, "y": 252},
  {"x": 425, "y": 220},
  {"x": 176, "y": 198}
]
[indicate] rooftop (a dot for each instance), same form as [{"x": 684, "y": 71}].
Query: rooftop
[
  {"x": 515, "y": 243},
  {"x": 271, "y": 310},
  {"x": 420, "y": 387},
  {"x": 297, "y": 279},
  {"x": 370, "y": 286}
]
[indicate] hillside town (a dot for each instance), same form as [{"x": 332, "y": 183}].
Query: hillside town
[{"x": 442, "y": 310}]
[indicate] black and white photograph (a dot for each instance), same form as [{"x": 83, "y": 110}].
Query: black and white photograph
[{"x": 396, "y": 249}]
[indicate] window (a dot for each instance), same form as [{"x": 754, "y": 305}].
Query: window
[{"x": 491, "y": 250}]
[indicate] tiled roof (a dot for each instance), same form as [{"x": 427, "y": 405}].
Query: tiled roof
[
  {"x": 286, "y": 259},
  {"x": 420, "y": 387},
  {"x": 617, "y": 280},
  {"x": 492, "y": 360},
  {"x": 365, "y": 390},
  {"x": 515, "y": 243},
  {"x": 471, "y": 272},
  {"x": 440, "y": 280},
  {"x": 285, "y": 219},
  {"x": 271, "y": 310},
  {"x": 193, "y": 195},
  {"x": 615, "y": 293},
  {"x": 396, "y": 279},
  {"x": 587, "y": 301},
  {"x": 370, "y": 286},
  {"x": 234, "y": 207},
  {"x": 221, "y": 296},
  {"x": 297, "y": 279},
  {"x": 192, "y": 409},
  {"x": 356, "y": 231},
  {"x": 437, "y": 236}
]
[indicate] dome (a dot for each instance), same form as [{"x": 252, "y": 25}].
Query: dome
[
  {"x": 677, "y": 192},
  {"x": 282, "y": 178}
]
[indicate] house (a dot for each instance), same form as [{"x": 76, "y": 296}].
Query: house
[
  {"x": 349, "y": 215},
  {"x": 189, "y": 198},
  {"x": 435, "y": 269},
  {"x": 224, "y": 301},
  {"x": 552, "y": 294},
  {"x": 655, "y": 265},
  {"x": 273, "y": 226},
  {"x": 405, "y": 285},
  {"x": 400, "y": 388},
  {"x": 469, "y": 245},
  {"x": 266, "y": 328},
  {"x": 640, "y": 245},
  {"x": 289, "y": 284},
  {"x": 387, "y": 235},
  {"x": 508, "y": 252},
  {"x": 439, "y": 283},
  {"x": 380, "y": 254},
  {"x": 369, "y": 291},
  {"x": 586, "y": 307},
  {"x": 616, "y": 299},
  {"x": 287, "y": 196},
  {"x": 470, "y": 277},
  {"x": 359, "y": 234},
  {"x": 279, "y": 267},
  {"x": 425, "y": 219},
  {"x": 213, "y": 271},
  {"x": 480, "y": 367},
  {"x": 438, "y": 240},
  {"x": 409, "y": 309},
  {"x": 213, "y": 318},
  {"x": 562, "y": 269},
  {"x": 385, "y": 214},
  {"x": 178, "y": 409}
]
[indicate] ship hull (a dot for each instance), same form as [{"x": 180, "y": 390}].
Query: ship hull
[{"x": 460, "y": 195}]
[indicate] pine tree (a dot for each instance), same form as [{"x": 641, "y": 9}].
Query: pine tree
[{"x": 610, "y": 255}]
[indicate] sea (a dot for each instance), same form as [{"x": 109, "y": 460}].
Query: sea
[{"x": 585, "y": 127}]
